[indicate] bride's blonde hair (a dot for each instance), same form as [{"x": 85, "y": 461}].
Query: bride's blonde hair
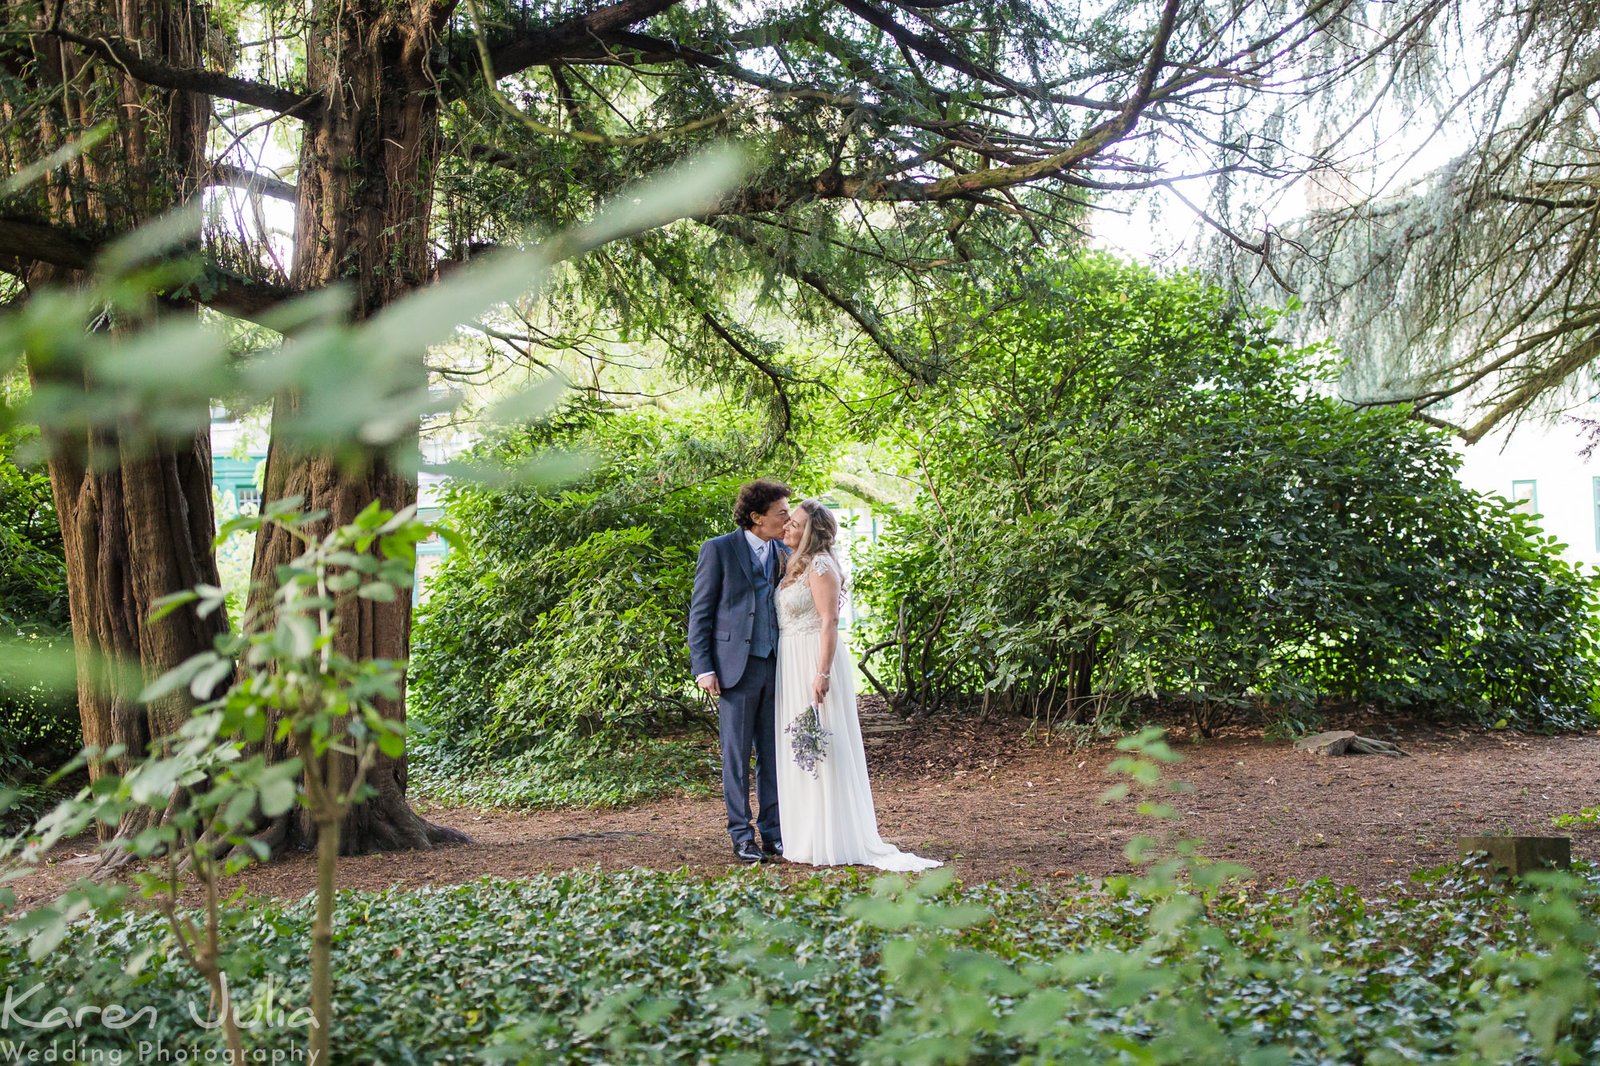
[{"x": 819, "y": 536}]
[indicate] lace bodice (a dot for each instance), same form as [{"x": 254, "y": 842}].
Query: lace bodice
[{"x": 797, "y": 611}]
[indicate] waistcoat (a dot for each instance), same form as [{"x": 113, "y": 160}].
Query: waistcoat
[{"x": 764, "y": 627}]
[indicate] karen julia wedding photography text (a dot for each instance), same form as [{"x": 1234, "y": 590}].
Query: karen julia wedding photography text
[{"x": 36, "y": 1028}]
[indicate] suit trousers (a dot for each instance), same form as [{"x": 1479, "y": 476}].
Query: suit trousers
[{"x": 747, "y": 716}]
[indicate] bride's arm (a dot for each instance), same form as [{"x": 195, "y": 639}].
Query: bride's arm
[{"x": 824, "y": 585}]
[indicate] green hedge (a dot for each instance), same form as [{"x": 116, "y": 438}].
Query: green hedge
[{"x": 556, "y": 633}]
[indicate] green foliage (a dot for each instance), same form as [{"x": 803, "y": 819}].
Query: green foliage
[
  {"x": 1133, "y": 487},
  {"x": 1587, "y": 818},
  {"x": 38, "y": 728},
  {"x": 568, "y": 770},
  {"x": 196, "y": 804},
  {"x": 558, "y": 630},
  {"x": 293, "y": 688},
  {"x": 235, "y": 556},
  {"x": 360, "y": 383},
  {"x": 33, "y": 577},
  {"x": 657, "y": 967},
  {"x": 284, "y": 683},
  {"x": 1175, "y": 965}
]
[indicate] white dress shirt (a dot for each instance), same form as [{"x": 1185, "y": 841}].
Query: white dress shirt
[{"x": 759, "y": 547}]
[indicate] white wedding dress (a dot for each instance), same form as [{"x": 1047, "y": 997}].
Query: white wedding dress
[{"x": 828, "y": 820}]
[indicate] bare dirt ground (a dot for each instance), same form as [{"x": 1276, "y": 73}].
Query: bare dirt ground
[{"x": 996, "y": 804}]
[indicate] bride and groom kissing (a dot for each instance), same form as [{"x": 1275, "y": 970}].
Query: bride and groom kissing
[{"x": 764, "y": 639}]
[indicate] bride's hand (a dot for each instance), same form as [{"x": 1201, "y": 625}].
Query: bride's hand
[{"x": 819, "y": 689}]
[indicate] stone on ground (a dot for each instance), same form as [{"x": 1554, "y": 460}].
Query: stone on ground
[{"x": 1517, "y": 855}]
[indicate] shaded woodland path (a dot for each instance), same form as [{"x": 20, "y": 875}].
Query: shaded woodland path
[{"x": 997, "y": 807}]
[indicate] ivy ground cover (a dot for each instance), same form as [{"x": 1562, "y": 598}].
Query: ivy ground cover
[{"x": 670, "y": 967}]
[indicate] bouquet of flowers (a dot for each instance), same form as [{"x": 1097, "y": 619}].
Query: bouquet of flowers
[{"x": 808, "y": 740}]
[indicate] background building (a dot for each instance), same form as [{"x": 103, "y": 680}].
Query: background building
[
  {"x": 1543, "y": 465},
  {"x": 239, "y": 455}
]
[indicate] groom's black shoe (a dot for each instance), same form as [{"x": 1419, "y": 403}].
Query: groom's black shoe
[
  {"x": 746, "y": 851},
  {"x": 771, "y": 850}
]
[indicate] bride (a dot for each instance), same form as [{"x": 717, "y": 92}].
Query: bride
[{"x": 828, "y": 819}]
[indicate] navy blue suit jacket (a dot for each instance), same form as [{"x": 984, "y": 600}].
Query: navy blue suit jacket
[{"x": 722, "y": 610}]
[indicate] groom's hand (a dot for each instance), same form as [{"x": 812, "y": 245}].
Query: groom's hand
[{"x": 710, "y": 683}]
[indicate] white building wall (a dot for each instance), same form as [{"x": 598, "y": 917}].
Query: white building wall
[{"x": 1563, "y": 483}]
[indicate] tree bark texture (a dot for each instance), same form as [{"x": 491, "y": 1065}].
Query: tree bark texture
[{"x": 364, "y": 194}]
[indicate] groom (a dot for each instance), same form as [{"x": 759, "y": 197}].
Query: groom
[{"x": 733, "y": 650}]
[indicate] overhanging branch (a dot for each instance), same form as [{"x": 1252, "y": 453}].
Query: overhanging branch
[
  {"x": 860, "y": 314},
  {"x": 25, "y": 242},
  {"x": 929, "y": 48},
  {"x": 727, "y": 334},
  {"x": 249, "y": 180},
  {"x": 831, "y": 184},
  {"x": 190, "y": 79},
  {"x": 547, "y": 44}
]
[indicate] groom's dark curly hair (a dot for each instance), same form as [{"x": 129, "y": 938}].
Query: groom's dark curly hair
[{"x": 756, "y": 498}]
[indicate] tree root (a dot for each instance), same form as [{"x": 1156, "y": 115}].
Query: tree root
[{"x": 1345, "y": 742}]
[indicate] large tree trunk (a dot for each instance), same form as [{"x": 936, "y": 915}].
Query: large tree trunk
[
  {"x": 136, "y": 518},
  {"x": 136, "y": 525},
  {"x": 365, "y": 187}
]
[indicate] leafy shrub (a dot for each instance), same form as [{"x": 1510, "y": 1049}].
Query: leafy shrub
[
  {"x": 39, "y": 729},
  {"x": 199, "y": 801},
  {"x": 33, "y": 576},
  {"x": 569, "y": 771},
  {"x": 657, "y": 967},
  {"x": 1587, "y": 818},
  {"x": 1134, "y": 487},
  {"x": 558, "y": 631}
]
